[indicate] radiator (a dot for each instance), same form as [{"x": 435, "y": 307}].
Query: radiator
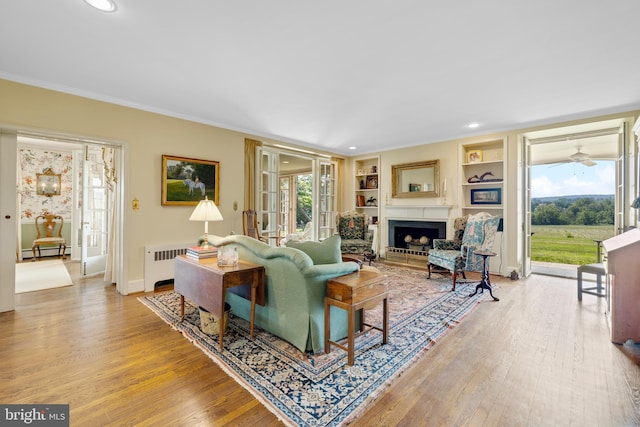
[{"x": 158, "y": 262}]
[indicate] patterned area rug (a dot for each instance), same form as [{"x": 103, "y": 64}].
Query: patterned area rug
[{"x": 321, "y": 390}]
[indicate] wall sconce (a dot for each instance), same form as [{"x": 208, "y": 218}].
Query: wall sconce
[{"x": 48, "y": 183}]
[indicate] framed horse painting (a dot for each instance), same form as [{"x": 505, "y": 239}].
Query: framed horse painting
[{"x": 186, "y": 181}]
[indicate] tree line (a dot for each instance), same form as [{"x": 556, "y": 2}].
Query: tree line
[{"x": 582, "y": 211}]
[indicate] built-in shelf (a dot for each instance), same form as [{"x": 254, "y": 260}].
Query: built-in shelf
[
  {"x": 367, "y": 193},
  {"x": 484, "y": 160}
]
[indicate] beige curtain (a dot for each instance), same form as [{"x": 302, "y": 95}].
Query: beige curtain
[
  {"x": 250, "y": 146},
  {"x": 339, "y": 187},
  {"x": 109, "y": 162},
  {"x": 19, "y": 208}
]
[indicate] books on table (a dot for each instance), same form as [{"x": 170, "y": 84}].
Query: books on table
[{"x": 198, "y": 252}]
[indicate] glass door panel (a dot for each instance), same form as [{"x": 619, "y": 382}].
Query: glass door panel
[
  {"x": 326, "y": 199},
  {"x": 95, "y": 204},
  {"x": 268, "y": 188}
]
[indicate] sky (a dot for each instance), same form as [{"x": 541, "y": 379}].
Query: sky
[{"x": 568, "y": 179}]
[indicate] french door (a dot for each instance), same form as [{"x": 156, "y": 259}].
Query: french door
[
  {"x": 327, "y": 196},
  {"x": 276, "y": 195},
  {"x": 93, "y": 206}
]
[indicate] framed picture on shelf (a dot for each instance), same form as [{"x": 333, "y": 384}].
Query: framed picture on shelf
[
  {"x": 474, "y": 156},
  {"x": 414, "y": 187},
  {"x": 372, "y": 182},
  {"x": 486, "y": 196}
]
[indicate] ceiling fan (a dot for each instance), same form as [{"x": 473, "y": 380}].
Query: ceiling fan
[{"x": 580, "y": 157}]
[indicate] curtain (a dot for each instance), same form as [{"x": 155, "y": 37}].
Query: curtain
[
  {"x": 250, "y": 146},
  {"x": 109, "y": 162},
  {"x": 339, "y": 188},
  {"x": 18, "y": 208}
]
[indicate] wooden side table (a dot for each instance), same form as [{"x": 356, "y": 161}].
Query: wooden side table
[
  {"x": 205, "y": 283},
  {"x": 364, "y": 290}
]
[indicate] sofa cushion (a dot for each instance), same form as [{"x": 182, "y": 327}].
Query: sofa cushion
[{"x": 325, "y": 252}]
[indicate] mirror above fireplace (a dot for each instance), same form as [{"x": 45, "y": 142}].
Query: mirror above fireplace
[{"x": 418, "y": 179}]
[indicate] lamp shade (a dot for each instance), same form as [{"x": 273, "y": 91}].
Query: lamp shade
[
  {"x": 636, "y": 203},
  {"x": 206, "y": 211}
]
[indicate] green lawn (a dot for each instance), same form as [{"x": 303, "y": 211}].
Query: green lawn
[
  {"x": 176, "y": 190},
  {"x": 567, "y": 244}
]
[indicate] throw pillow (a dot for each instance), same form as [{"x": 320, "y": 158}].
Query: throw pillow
[
  {"x": 325, "y": 252},
  {"x": 352, "y": 226}
]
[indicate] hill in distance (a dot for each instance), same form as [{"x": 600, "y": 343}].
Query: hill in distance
[{"x": 552, "y": 199}]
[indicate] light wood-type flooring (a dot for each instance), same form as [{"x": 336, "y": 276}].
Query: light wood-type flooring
[{"x": 537, "y": 357}]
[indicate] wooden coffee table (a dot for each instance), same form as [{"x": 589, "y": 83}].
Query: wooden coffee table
[
  {"x": 364, "y": 290},
  {"x": 205, "y": 283}
]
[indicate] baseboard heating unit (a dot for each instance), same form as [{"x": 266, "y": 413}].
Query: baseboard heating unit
[{"x": 159, "y": 261}]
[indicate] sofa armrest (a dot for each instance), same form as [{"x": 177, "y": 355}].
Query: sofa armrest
[
  {"x": 346, "y": 258},
  {"x": 325, "y": 272}
]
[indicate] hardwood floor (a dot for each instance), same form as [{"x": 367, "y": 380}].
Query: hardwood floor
[{"x": 536, "y": 357}]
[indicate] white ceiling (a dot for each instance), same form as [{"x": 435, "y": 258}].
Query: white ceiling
[{"x": 333, "y": 74}]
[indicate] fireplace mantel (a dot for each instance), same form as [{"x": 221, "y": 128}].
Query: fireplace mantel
[{"x": 423, "y": 213}]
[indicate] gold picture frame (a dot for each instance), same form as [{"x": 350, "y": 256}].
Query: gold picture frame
[
  {"x": 474, "y": 156},
  {"x": 186, "y": 181}
]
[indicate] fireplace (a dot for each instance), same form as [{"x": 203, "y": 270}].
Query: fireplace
[
  {"x": 418, "y": 230},
  {"x": 410, "y": 240}
]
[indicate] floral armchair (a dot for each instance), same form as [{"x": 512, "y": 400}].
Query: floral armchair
[
  {"x": 353, "y": 229},
  {"x": 472, "y": 232}
]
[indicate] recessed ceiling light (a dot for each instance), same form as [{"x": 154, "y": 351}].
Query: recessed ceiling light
[
  {"x": 103, "y": 5},
  {"x": 352, "y": 148},
  {"x": 473, "y": 125}
]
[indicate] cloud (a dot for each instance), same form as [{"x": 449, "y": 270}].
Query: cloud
[{"x": 573, "y": 179}]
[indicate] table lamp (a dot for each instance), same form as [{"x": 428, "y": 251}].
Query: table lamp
[{"x": 206, "y": 211}]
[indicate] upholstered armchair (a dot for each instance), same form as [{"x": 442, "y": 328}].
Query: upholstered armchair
[
  {"x": 353, "y": 228},
  {"x": 472, "y": 232}
]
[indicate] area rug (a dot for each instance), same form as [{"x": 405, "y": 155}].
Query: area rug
[
  {"x": 320, "y": 389},
  {"x": 39, "y": 275}
]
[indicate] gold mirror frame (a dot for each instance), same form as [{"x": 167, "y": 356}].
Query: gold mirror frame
[
  {"x": 418, "y": 179},
  {"x": 48, "y": 183}
]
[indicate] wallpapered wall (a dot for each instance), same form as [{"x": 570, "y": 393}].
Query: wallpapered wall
[{"x": 33, "y": 161}]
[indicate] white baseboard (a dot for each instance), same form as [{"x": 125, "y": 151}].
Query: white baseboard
[{"x": 134, "y": 286}]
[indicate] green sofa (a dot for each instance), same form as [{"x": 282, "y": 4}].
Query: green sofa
[{"x": 295, "y": 290}]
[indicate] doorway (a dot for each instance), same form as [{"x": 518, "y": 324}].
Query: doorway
[
  {"x": 564, "y": 197},
  {"x": 116, "y": 269},
  {"x": 84, "y": 201},
  {"x": 296, "y": 193}
]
